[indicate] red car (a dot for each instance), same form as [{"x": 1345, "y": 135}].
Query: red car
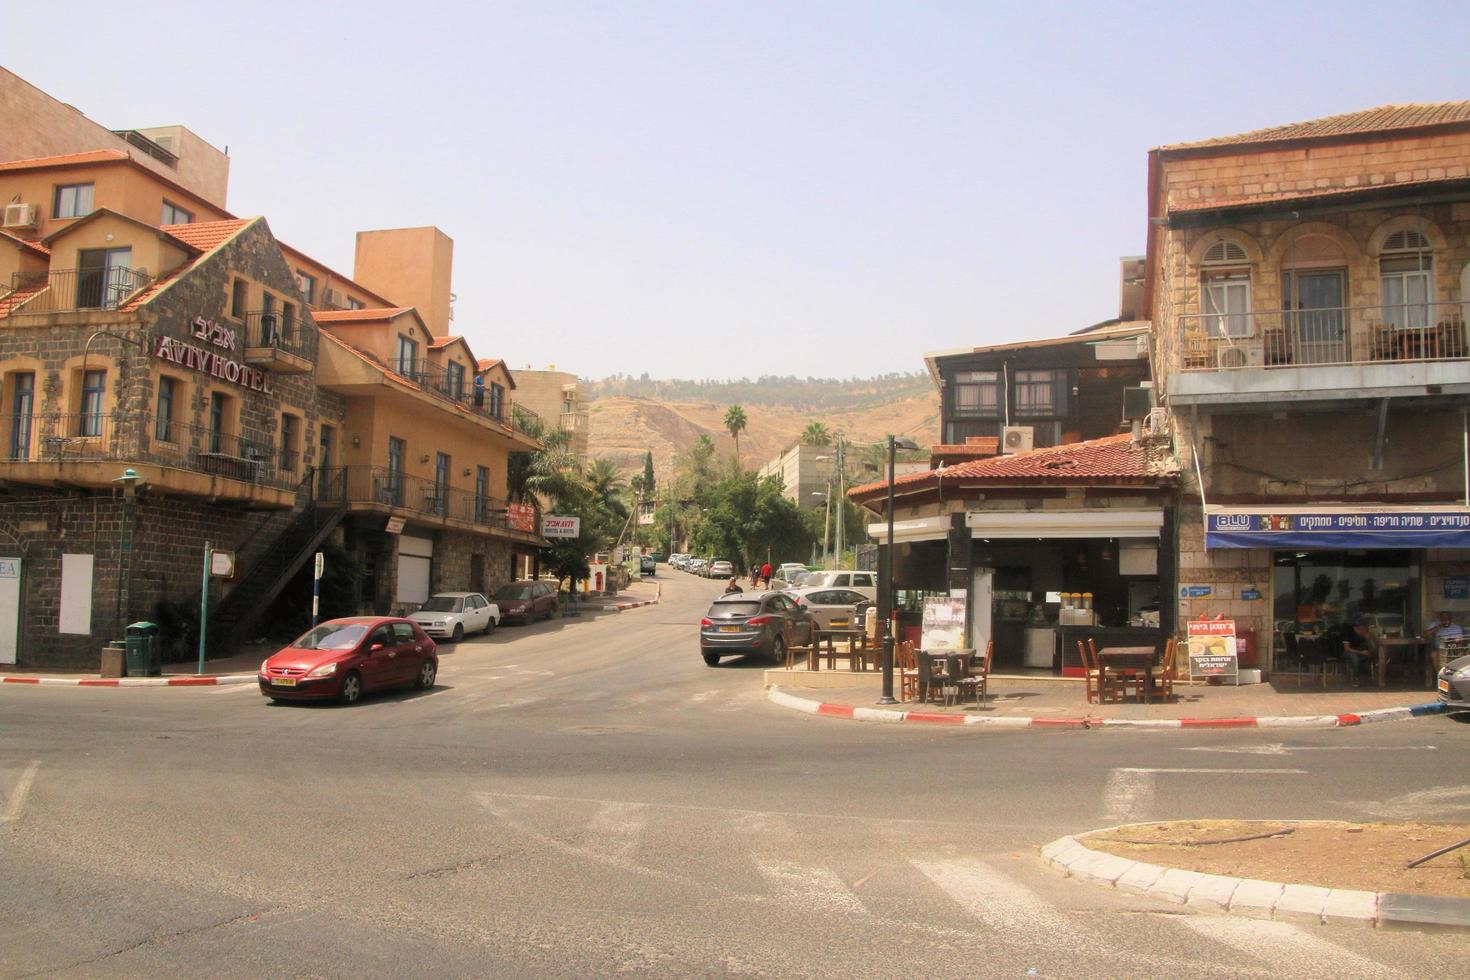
[
  {"x": 342, "y": 658},
  {"x": 526, "y": 601}
]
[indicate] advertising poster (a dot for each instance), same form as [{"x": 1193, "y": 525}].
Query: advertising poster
[
  {"x": 944, "y": 623},
  {"x": 1212, "y": 649}
]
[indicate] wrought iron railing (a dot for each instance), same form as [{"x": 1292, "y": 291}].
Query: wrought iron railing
[
  {"x": 428, "y": 498},
  {"x": 141, "y": 438},
  {"x": 70, "y": 290},
  {"x": 1337, "y": 335},
  {"x": 462, "y": 390},
  {"x": 275, "y": 330}
]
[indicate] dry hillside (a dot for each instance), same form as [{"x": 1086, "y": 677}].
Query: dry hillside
[{"x": 625, "y": 427}]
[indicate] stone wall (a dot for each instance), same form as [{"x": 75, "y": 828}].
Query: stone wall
[{"x": 454, "y": 553}]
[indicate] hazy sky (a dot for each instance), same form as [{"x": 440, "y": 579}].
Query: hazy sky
[{"x": 728, "y": 189}]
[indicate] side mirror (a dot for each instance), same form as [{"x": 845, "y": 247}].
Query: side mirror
[{"x": 375, "y": 648}]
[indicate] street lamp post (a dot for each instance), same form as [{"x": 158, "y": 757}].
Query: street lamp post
[
  {"x": 885, "y": 583},
  {"x": 129, "y": 480},
  {"x": 826, "y": 519}
]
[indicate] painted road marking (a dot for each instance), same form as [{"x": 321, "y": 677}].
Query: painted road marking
[
  {"x": 1129, "y": 793},
  {"x": 1288, "y": 950},
  {"x": 1001, "y": 903},
  {"x": 1278, "y": 748},
  {"x": 811, "y": 889},
  {"x": 16, "y": 801}
]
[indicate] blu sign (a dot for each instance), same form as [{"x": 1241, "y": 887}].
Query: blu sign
[{"x": 1369, "y": 529}]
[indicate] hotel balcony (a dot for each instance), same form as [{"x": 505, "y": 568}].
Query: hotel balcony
[
  {"x": 280, "y": 343},
  {"x": 71, "y": 291},
  {"x": 438, "y": 382},
  {"x": 376, "y": 489},
  {"x": 89, "y": 451},
  {"x": 1331, "y": 354}
]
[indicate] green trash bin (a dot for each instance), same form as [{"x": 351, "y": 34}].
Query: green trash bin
[{"x": 143, "y": 655}]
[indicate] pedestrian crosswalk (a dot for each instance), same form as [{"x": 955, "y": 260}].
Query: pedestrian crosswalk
[{"x": 916, "y": 883}]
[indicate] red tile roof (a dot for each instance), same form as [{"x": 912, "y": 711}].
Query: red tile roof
[
  {"x": 360, "y": 316},
  {"x": 1246, "y": 200},
  {"x": 439, "y": 343},
  {"x": 489, "y": 363},
  {"x": 65, "y": 159},
  {"x": 1114, "y": 459},
  {"x": 1384, "y": 118},
  {"x": 36, "y": 247},
  {"x": 206, "y": 236}
]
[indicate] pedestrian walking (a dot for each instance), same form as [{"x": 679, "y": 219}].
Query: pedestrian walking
[
  {"x": 755, "y": 576},
  {"x": 766, "y": 573}
]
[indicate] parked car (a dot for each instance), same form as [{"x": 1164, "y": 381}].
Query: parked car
[
  {"x": 832, "y": 608},
  {"x": 526, "y": 601},
  {"x": 455, "y": 615},
  {"x": 864, "y": 582},
  {"x": 1454, "y": 684},
  {"x": 720, "y": 569},
  {"x": 648, "y": 565},
  {"x": 788, "y": 576},
  {"x": 750, "y": 622},
  {"x": 343, "y": 658},
  {"x": 696, "y": 565}
]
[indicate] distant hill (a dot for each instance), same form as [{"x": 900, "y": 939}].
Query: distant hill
[{"x": 631, "y": 416}]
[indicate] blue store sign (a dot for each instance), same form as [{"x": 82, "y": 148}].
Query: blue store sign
[{"x": 1367, "y": 529}]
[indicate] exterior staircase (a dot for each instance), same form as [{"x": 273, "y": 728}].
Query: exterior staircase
[{"x": 322, "y": 504}]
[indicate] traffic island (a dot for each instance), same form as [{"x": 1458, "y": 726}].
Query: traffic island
[{"x": 1333, "y": 871}]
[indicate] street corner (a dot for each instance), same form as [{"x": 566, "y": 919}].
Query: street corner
[{"x": 1388, "y": 875}]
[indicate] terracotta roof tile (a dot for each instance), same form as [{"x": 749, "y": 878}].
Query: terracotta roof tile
[
  {"x": 10, "y": 302},
  {"x": 206, "y": 235},
  {"x": 1246, "y": 200},
  {"x": 1384, "y": 118},
  {"x": 1111, "y": 459},
  {"x": 35, "y": 247},
  {"x": 489, "y": 363},
  {"x": 372, "y": 315},
  {"x": 439, "y": 343},
  {"x": 65, "y": 159}
]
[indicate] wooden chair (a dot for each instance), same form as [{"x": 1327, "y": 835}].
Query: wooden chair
[
  {"x": 1125, "y": 678},
  {"x": 794, "y": 649},
  {"x": 1100, "y": 688},
  {"x": 1164, "y": 681},
  {"x": 979, "y": 674},
  {"x": 908, "y": 670}
]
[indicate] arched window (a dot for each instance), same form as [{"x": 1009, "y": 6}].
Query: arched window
[
  {"x": 1225, "y": 290},
  {"x": 1406, "y": 280}
]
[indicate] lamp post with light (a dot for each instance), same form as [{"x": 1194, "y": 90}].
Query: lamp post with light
[
  {"x": 885, "y": 577},
  {"x": 129, "y": 480}
]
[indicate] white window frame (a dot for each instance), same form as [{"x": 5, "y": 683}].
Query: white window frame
[
  {"x": 1225, "y": 301},
  {"x": 1405, "y": 312}
]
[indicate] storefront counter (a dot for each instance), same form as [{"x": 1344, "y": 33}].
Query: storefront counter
[{"x": 1069, "y": 663}]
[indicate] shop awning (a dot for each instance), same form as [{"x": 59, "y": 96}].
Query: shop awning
[
  {"x": 1103, "y": 522},
  {"x": 916, "y": 529},
  {"x": 1332, "y": 528}
]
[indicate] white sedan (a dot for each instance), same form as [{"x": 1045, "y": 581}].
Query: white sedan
[{"x": 454, "y": 615}]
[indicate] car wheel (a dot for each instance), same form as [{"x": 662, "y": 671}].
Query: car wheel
[
  {"x": 778, "y": 652},
  {"x": 489, "y": 626},
  {"x": 458, "y": 633},
  {"x": 428, "y": 671},
  {"x": 711, "y": 659},
  {"x": 351, "y": 691}
]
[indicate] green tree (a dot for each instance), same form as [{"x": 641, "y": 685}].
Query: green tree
[
  {"x": 650, "y": 488},
  {"x": 816, "y": 434},
  {"x": 604, "y": 478},
  {"x": 735, "y": 424}
]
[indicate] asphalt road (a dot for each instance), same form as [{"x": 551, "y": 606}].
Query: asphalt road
[{"x": 585, "y": 797}]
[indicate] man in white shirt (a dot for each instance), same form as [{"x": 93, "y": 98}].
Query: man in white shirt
[{"x": 1445, "y": 630}]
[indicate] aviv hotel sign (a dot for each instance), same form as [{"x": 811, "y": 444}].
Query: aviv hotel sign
[{"x": 212, "y": 362}]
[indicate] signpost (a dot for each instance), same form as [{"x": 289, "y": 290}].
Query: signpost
[
  {"x": 204, "y": 603},
  {"x": 316, "y": 586},
  {"x": 555, "y": 526},
  {"x": 1212, "y": 649},
  {"x": 943, "y": 624}
]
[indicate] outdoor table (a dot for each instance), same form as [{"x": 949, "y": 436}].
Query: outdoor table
[
  {"x": 857, "y": 644},
  {"x": 1390, "y": 643},
  {"x": 935, "y": 658},
  {"x": 1120, "y": 659}
]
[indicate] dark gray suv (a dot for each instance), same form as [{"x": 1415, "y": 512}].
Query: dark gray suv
[{"x": 750, "y": 622}]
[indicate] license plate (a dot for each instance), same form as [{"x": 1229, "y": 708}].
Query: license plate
[
  {"x": 729, "y": 629},
  {"x": 283, "y": 682},
  {"x": 1444, "y": 685}
]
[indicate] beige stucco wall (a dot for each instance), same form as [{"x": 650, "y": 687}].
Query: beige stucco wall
[{"x": 410, "y": 266}]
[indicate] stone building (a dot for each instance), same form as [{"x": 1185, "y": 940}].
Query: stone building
[
  {"x": 1308, "y": 286},
  {"x": 556, "y": 398}
]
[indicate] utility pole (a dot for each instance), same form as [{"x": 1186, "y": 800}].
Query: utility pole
[{"x": 839, "y": 509}]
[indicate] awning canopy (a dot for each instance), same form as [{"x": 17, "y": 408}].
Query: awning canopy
[
  {"x": 1101, "y": 522},
  {"x": 1333, "y": 528}
]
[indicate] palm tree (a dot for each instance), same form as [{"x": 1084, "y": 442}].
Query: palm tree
[
  {"x": 604, "y": 478},
  {"x": 735, "y": 423},
  {"x": 816, "y": 434}
]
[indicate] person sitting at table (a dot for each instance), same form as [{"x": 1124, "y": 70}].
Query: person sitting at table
[
  {"x": 1361, "y": 648},
  {"x": 1445, "y": 631}
]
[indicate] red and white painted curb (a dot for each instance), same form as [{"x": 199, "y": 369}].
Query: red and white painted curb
[
  {"x": 184, "y": 681},
  {"x": 885, "y": 715},
  {"x": 620, "y": 606}
]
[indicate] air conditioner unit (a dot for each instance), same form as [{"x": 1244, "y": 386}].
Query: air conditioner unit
[
  {"x": 333, "y": 300},
  {"x": 1239, "y": 356},
  {"x": 1137, "y": 402},
  {"x": 1016, "y": 438},
  {"x": 1158, "y": 422},
  {"x": 21, "y": 216}
]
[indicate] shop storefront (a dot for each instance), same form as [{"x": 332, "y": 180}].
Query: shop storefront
[{"x": 1396, "y": 568}]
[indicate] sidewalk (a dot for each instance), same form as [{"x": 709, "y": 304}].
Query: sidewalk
[{"x": 1052, "y": 702}]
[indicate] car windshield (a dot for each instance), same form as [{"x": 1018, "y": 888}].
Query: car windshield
[
  {"x": 513, "y": 592},
  {"x": 332, "y": 636},
  {"x": 733, "y": 610},
  {"x": 443, "y": 603}
]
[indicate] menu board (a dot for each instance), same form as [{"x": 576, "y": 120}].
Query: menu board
[
  {"x": 943, "y": 624},
  {"x": 1212, "y": 649}
]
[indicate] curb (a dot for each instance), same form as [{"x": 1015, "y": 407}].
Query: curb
[
  {"x": 1346, "y": 720},
  {"x": 213, "y": 680},
  {"x": 1252, "y": 897},
  {"x": 620, "y": 606}
]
